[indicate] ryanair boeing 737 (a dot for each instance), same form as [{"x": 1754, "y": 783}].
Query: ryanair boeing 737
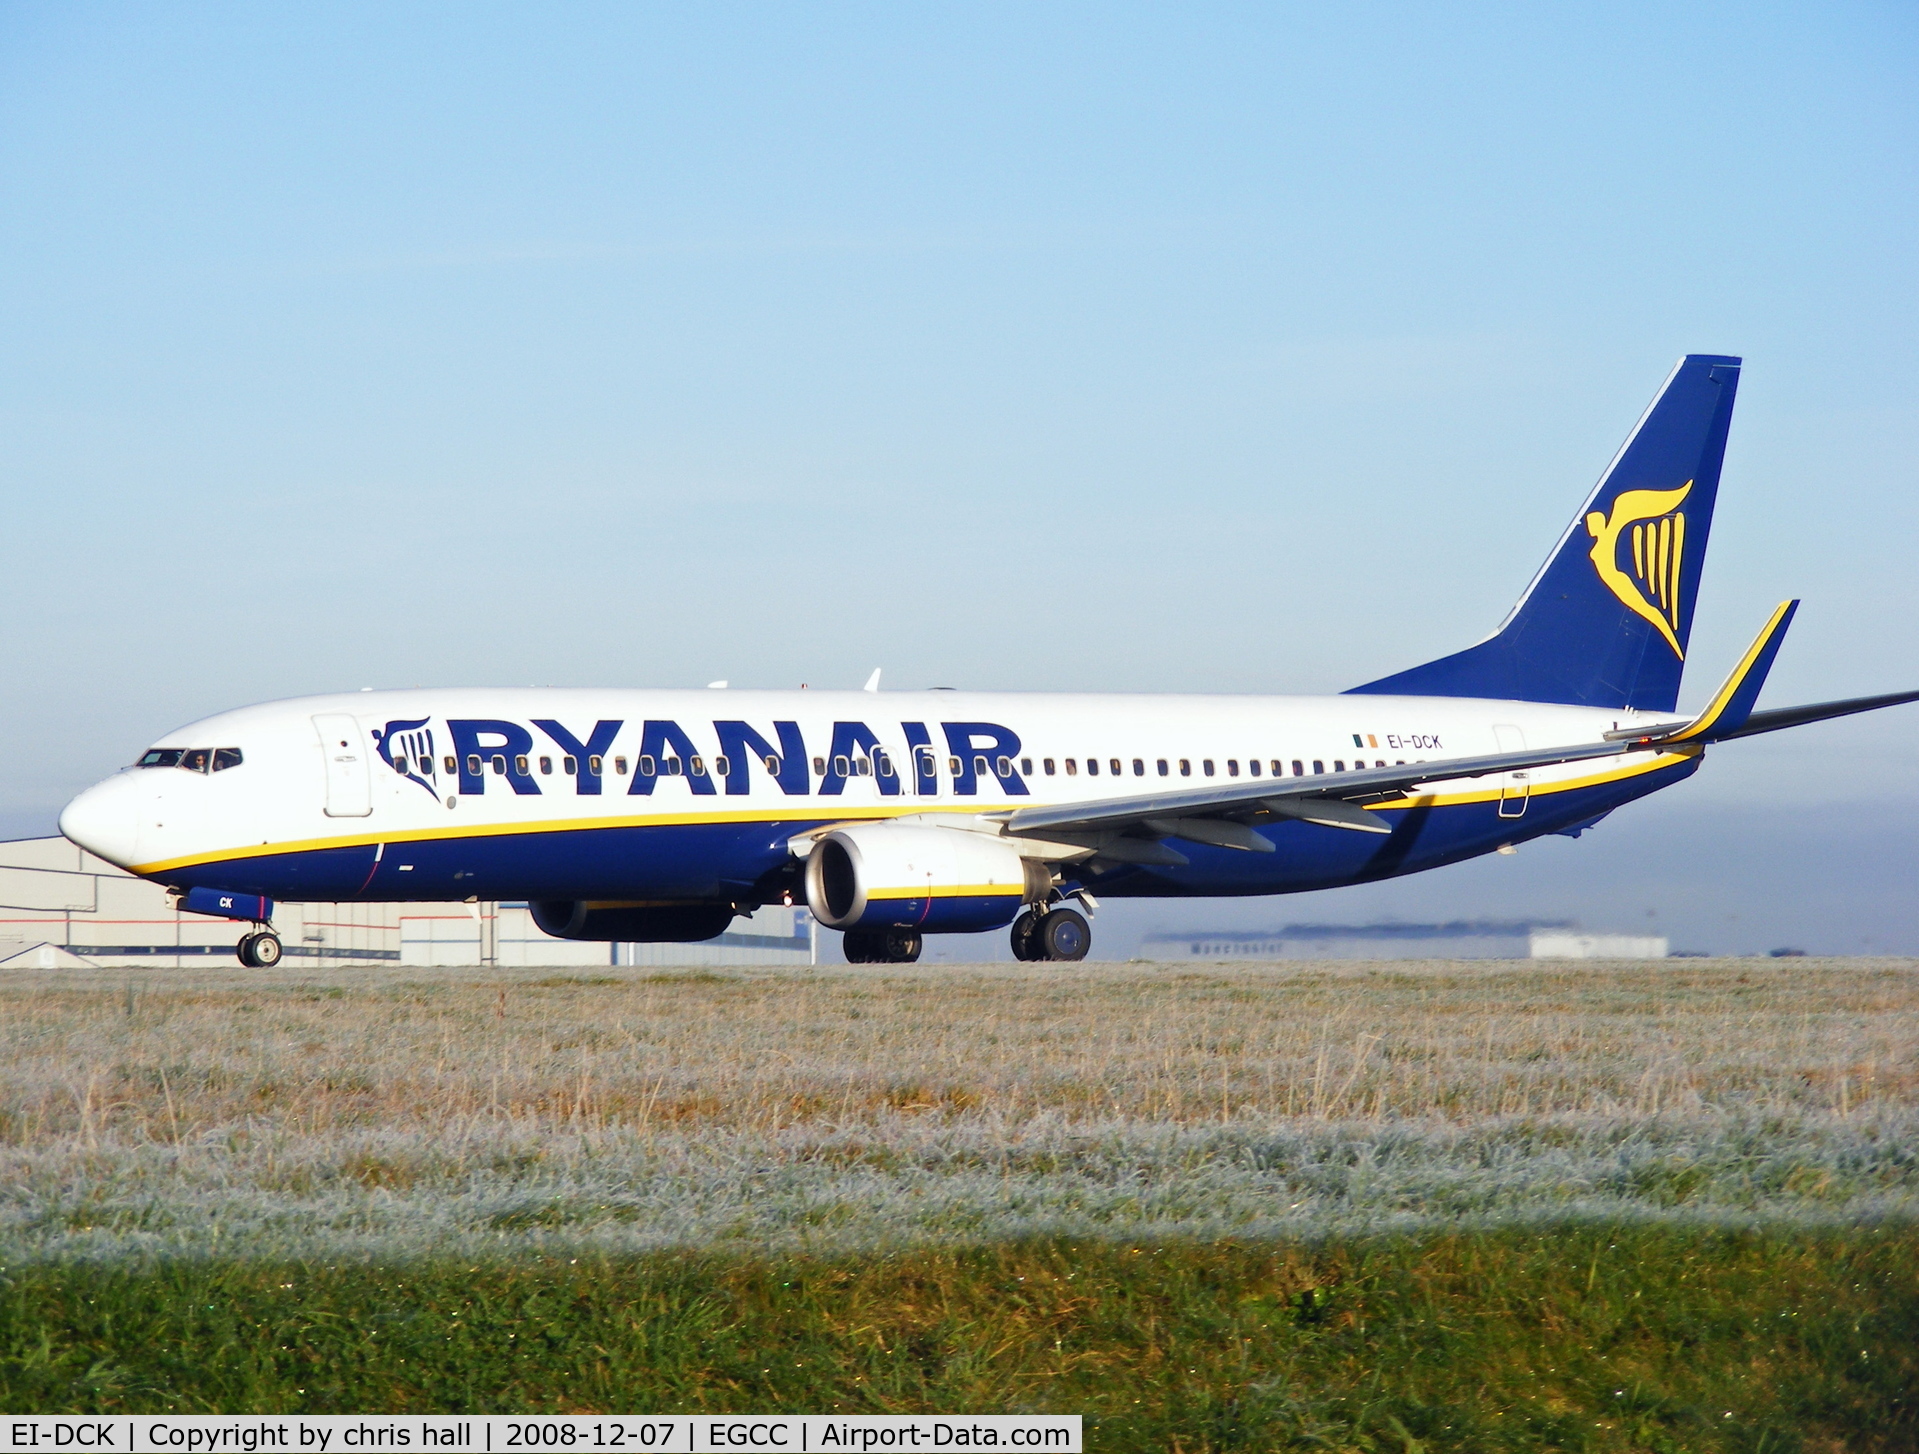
[{"x": 660, "y": 815}]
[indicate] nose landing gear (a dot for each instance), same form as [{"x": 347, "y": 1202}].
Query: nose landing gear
[
  {"x": 260, "y": 950},
  {"x": 1058, "y": 933}
]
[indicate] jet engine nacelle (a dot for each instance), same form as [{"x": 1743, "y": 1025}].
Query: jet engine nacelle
[
  {"x": 905, "y": 876},
  {"x": 630, "y": 923}
]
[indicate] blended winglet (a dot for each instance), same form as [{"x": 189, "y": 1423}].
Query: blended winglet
[{"x": 1731, "y": 706}]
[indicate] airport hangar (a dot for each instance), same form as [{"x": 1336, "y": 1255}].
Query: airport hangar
[{"x": 61, "y": 906}]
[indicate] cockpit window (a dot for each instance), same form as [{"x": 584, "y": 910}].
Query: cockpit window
[{"x": 193, "y": 759}]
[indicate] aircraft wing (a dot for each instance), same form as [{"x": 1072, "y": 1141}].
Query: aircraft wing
[
  {"x": 1226, "y": 815},
  {"x": 1730, "y": 713},
  {"x": 1334, "y": 799}
]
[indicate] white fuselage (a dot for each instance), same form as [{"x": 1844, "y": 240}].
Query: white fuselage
[{"x": 399, "y": 794}]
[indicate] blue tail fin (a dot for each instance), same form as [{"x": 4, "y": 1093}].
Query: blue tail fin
[{"x": 1605, "y": 622}]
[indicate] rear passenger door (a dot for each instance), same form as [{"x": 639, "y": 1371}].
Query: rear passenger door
[{"x": 1514, "y": 787}]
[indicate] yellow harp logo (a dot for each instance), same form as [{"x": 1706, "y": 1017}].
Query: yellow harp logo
[{"x": 1658, "y": 540}]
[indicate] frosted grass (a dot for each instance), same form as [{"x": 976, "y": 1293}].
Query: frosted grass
[{"x": 380, "y": 1114}]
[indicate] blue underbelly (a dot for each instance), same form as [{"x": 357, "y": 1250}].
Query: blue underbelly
[{"x": 718, "y": 861}]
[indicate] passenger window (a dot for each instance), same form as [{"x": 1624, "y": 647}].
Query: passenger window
[
  {"x": 953, "y": 766},
  {"x": 1186, "y": 767},
  {"x": 453, "y": 767},
  {"x": 1072, "y": 767},
  {"x": 695, "y": 768},
  {"x": 570, "y": 766},
  {"x": 979, "y": 767},
  {"x": 1339, "y": 764},
  {"x": 1004, "y": 767},
  {"x": 672, "y": 766},
  {"x": 1139, "y": 767},
  {"x": 546, "y": 767},
  {"x": 819, "y": 767},
  {"x": 648, "y": 767},
  {"x": 1299, "y": 768},
  {"x": 1206, "y": 766},
  {"x": 772, "y": 765},
  {"x": 1092, "y": 767},
  {"x": 1047, "y": 763},
  {"x": 473, "y": 764},
  {"x": 595, "y": 765},
  {"x": 1279, "y": 768},
  {"x": 1026, "y": 767},
  {"x": 499, "y": 766},
  {"x": 721, "y": 765},
  {"x": 519, "y": 764},
  {"x": 1232, "y": 767},
  {"x": 619, "y": 766},
  {"x": 225, "y": 757},
  {"x": 1114, "y": 764},
  {"x": 1253, "y": 767},
  {"x": 162, "y": 757},
  {"x": 883, "y": 764},
  {"x": 861, "y": 767},
  {"x": 928, "y": 764},
  {"x": 842, "y": 768},
  {"x": 399, "y": 766},
  {"x": 1162, "y": 767},
  {"x": 1318, "y": 766}
]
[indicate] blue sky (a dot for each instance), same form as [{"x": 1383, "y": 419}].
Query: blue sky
[{"x": 1235, "y": 348}]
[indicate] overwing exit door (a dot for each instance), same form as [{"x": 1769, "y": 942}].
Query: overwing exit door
[{"x": 349, "y": 787}]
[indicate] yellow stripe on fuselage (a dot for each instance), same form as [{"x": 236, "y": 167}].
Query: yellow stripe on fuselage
[
  {"x": 822, "y": 812},
  {"x": 818, "y": 813},
  {"x": 1565, "y": 785}
]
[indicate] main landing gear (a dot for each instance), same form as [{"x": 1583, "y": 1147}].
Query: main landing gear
[
  {"x": 1055, "y": 933},
  {"x": 260, "y": 950},
  {"x": 881, "y": 946}
]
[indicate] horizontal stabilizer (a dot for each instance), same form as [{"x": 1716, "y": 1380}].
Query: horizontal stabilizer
[{"x": 1783, "y": 717}]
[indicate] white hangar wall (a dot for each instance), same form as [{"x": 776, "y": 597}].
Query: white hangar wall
[{"x": 59, "y": 903}]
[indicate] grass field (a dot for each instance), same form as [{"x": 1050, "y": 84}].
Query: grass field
[
  {"x": 1651, "y": 1337},
  {"x": 1416, "y": 1205}
]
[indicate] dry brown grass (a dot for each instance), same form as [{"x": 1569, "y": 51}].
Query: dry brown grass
[{"x": 325, "y": 1098}]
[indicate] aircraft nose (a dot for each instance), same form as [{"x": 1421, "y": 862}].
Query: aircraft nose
[{"x": 105, "y": 820}]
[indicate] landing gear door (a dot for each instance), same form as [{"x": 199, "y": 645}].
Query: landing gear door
[
  {"x": 1513, "y": 786},
  {"x": 349, "y": 786}
]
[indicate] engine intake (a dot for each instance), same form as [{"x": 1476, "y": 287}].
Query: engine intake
[
  {"x": 904, "y": 876},
  {"x": 631, "y": 923}
]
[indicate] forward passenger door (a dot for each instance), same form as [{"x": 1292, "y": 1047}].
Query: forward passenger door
[{"x": 349, "y": 786}]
